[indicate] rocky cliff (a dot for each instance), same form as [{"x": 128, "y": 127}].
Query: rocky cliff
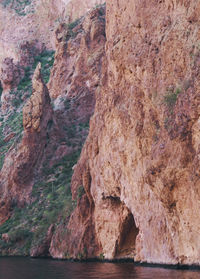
[
  {"x": 42, "y": 131},
  {"x": 135, "y": 188},
  {"x": 139, "y": 165}
]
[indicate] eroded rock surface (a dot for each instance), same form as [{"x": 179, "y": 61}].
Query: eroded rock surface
[
  {"x": 76, "y": 76},
  {"x": 136, "y": 185},
  {"x": 142, "y": 153}
]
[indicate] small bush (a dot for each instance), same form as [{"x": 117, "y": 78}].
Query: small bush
[
  {"x": 80, "y": 192},
  {"x": 73, "y": 24},
  {"x": 26, "y": 83},
  {"x": 20, "y": 234},
  {"x": 46, "y": 58},
  {"x": 67, "y": 104},
  {"x": 70, "y": 27},
  {"x": 17, "y": 5},
  {"x": 101, "y": 257},
  {"x": 1, "y": 89},
  {"x": 171, "y": 97}
]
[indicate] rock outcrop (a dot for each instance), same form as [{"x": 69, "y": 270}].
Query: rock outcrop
[
  {"x": 77, "y": 66},
  {"x": 21, "y": 162},
  {"x": 10, "y": 74},
  {"x": 142, "y": 154}
]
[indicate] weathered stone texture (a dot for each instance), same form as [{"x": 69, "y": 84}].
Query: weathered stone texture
[
  {"x": 76, "y": 76},
  {"x": 143, "y": 148}
]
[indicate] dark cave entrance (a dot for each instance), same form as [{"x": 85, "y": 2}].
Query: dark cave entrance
[{"x": 125, "y": 247}]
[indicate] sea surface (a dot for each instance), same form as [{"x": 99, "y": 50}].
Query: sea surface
[{"x": 26, "y": 268}]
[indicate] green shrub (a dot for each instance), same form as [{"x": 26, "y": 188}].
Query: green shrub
[
  {"x": 71, "y": 33},
  {"x": 80, "y": 192},
  {"x": 101, "y": 257},
  {"x": 26, "y": 84},
  {"x": 1, "y": 89},
  {"x": 67, "y": 104},
  {"x": 171, "y": 97},
  {"x": 73, "y": 24},
  {"x": 46, "y": 58},
  {"x": 17, "y": 5},
  {"x": 19, "y": 234}
]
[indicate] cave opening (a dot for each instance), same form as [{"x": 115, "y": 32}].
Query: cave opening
[{"x": 125, "y": 246}]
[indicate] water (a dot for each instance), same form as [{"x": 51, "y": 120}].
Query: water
[{"x": 25, "y": 268}]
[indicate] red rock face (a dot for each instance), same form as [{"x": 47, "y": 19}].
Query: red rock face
[
  {"x": 77, "y": 8},
  {"x": 10, "y": 74},
  {"x": 139, "y": 167},
  {"x": 77, "y": 66},
  {"x": 142, "y": 153},
  {"x": 76, "y": 73}
]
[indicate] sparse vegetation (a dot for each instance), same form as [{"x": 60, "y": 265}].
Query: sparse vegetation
[
  {"x": 73, "y": 24},
  {"x": 82, "y": 255},
  {"x": 100, "y": 5},
  {"x": 47, "y": 59},
  {"x": 170, "y": 100},
  {"x": 51, "y": 199},
  {"x": 101, "y": 257},
  {"x": 80, "y": 192},
  {"x": 157, "y": 130},
  {"x": 70, "y": 29},
  {"x": 1, "y": 89},
  {"x": 170, "y": 97},
  {"x": 12, "y": 122},
  {"x": 101, "y": 11},
  {"x": 25, "y": 83},
  {"x": 17, "y": 5}
]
